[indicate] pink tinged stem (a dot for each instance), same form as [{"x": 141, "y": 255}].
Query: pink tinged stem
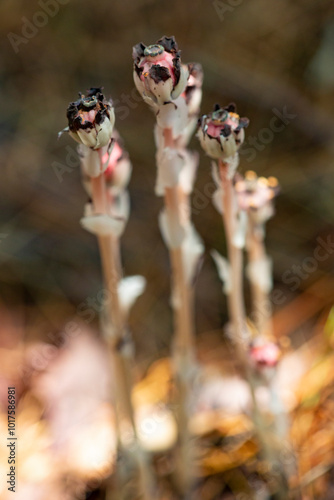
[
  {"x": 99, "y": 194},
  {"x": 111, "y": 265},
  {"x": 263, "y": 322},
  {"x": 177, "y": 208},
  {"x": 178, "y": 212},
  {"x": 261, "y": 302},
  {"x": 168, "y": 137},
  {"x": 237, "y": 314},
  {"x": 235, "y": 297},
  {"x": 183, "y": 312},
  {"x": 109, "y": 251}
]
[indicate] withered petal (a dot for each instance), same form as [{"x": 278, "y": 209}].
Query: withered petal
[
  {"x": 231, "y": 108},
  {"x": 138, "y": 70},
  {"x": 243, "y": 122},
  {"x": 101, "y": 115},
  {"x": 138, "y": 52},
  {"x": 226, "y": 130},
  {"x": 177, "y": 68},
  {"x": 79, "y": 124},
  {"x": 195, "y": 70},
  {"x": 169, "y": 44},
  {"x": 159, "y": 73},
  {"x": 95, "y": 91}
]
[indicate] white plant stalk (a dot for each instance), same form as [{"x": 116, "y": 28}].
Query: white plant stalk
[
  {"x": 106, "y": 170},
  {"x": 234, "y": 251},
  {"x": 221, "y": 134},
  {"x": 119, "y": 343},
  {"x": 177, "y": 213},
  {"x": 173, "y": 90}
]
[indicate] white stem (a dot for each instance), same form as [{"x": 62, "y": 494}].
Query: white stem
[
  {"x": 237, "y": 316},
  {"x": 235, "y": 297},
  {"x": 122, "y": 364},
  {"x": 177, "y": 209},
  {"x": 260, "y": 297},
  {"x": 262, "y": 315}
]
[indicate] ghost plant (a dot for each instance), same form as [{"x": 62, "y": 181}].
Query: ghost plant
[
  {"x": 221, "y": 133},
  {"x": 255, "y": 197},
  {"x": 91, "y": 119},
  {"x": 173, "y": 91},
  {"x": 245, "y": 204},
  {"x": 106, "y": 170},
  {"x": 158, "y": 73}
]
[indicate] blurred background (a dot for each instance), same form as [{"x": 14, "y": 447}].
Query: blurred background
[{"x": 274, "y": 59}]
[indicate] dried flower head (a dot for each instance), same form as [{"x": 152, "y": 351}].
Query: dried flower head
[
  {"x": 221, "y": 133},
  {"x": 91, "y": 119},
  {"x": 158, "y": 73},
  {"x": 255, "y": 195},
  {"x": 264, "y": 354}
]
